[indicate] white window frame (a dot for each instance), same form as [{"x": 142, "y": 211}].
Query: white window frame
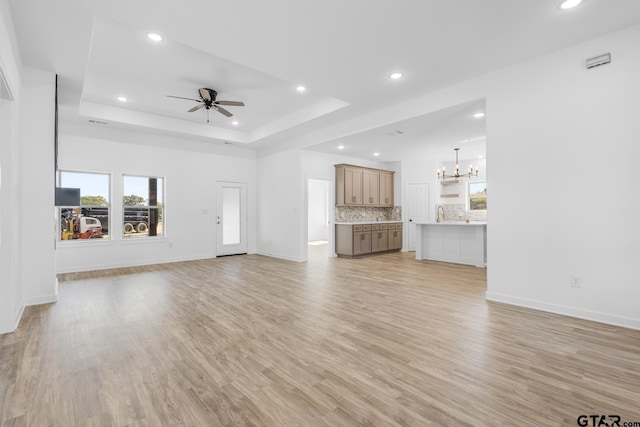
[{"x": 136, "y": 232}]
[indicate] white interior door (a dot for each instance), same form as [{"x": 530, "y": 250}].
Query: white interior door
[
  {"x": 417, "y": 202},
  {"x": 231, "y": 218}
]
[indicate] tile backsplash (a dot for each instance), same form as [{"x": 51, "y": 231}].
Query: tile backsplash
[
  {"x": 368, "y": 214},
  {"x": 456, "y": 211}
]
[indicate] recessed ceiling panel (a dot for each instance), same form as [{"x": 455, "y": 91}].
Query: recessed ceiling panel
[{"x": 124, "y": 62}]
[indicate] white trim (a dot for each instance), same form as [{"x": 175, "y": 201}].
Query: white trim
[
  {"x": 135, "y": 264},
  {"x": 594, "y": 316},
  {"x": 280, "y": 256},
  {"x": 44, "y": 299}
]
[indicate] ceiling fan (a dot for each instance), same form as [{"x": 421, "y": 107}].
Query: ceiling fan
[{"x": 208, "y": 101}]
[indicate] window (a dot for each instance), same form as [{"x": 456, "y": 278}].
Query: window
[
  {"x": 477, "y": 195},
  {"x": 90, "y": 220},
  {"x": 143, "y": 206}
]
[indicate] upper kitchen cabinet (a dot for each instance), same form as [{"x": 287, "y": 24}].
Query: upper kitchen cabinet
[
  {"x": 370, "y": 187},
  {"x": 348, "y": 185},
  {"x": 359, "y": 186},
  {"x": 386, "y": 188}
]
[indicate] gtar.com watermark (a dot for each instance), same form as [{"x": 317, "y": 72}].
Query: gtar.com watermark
[{"x": 605, "y": 421}]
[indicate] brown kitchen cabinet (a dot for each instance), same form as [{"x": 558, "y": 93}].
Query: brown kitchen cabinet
[
  {"x": 395, "y": 236},
  {"x": 370, "y": 187},
  {"x": 364, "y": 239},
  {"x": 348, "y": 185},
  {"x": 360, "y": 186},
  {"x": 379, "y": 238},
  {"x": 386, "y": 188}
]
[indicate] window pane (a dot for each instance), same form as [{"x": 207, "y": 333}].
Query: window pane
[
  {"x": 90, "y": 220},
  {"x": 478, "y": 196},
  {"x": 230, "y": 216},
  {"x": 143, "y": 206}
]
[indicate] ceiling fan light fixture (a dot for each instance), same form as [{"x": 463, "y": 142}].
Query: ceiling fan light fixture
[
  {"x": 569, "y": 4},
  {"x": 155, "y": 37}
]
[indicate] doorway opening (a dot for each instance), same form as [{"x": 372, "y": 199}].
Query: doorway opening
[{"x": 318, "y": 220}]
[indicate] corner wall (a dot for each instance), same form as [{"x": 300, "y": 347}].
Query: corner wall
[
  {"x": 569, "y": 210},
  {"x": 11, "y": 292},
  {"x": 191, "y": 170},
  {"x": 37, "y": 187}
]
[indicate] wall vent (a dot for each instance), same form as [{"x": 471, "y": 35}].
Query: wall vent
[{"x": 596, "y": 61}]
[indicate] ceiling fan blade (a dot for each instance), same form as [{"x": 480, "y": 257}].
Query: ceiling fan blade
[
  {"x": 197, "y": 107},
  {"x": 221, "y": 110},
  {"x": 204, "y": 93},
  {"x": 234, "y": 103},
  {"x": 182, "y": 97}
]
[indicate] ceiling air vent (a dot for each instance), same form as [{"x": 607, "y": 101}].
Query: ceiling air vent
[
  {"x": 596, "y": 61},
  {"x": 395, "y": 133}
]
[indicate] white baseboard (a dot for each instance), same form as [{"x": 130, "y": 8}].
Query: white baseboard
[
  {"x": 44, "y": 299},
  {"x": 16, "y": 321},
  {"x": 595, "y": 316},
  {"x": 132, "y": 263},
  {"x": 280, "y": 256}
]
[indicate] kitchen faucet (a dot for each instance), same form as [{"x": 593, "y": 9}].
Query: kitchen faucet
[{"x": 438, "y": 213}]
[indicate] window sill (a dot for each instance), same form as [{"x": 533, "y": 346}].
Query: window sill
[
  {"x": 83, "y": 243},
  {"x": 142, "y": 240}
]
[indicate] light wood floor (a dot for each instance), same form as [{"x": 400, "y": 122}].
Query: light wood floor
[{"x": 251, "y": 340}]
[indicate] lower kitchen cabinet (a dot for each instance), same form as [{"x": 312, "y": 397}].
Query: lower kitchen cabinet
[
  {"x": 379, "y": 238},
  {"x": 361, "y": 243},
  {"x": 395, "y": 236},
  {"x": 362, "y": 239}
]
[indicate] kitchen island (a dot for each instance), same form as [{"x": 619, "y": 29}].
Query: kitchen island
[{"x": 452, "y": 241}]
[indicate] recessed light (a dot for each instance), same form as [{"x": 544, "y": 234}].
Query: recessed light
[
  {"x": 235, "y": 123},
  {"x": 568, "y": 4},
  {"x": 376, "y": 154},
  {"x": 155, "y": 37},
  {"x": 340, "y": 147},
  {"x": 301, "y": 88},
  {"x": 481, "y": 156},
  {"x": 479, "y": 115},
  {"x": 122, "y": 99},
  {"x": 395, "y": 76}
]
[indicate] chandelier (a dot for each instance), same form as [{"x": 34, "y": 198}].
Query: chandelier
[{"x": 471, "y": 172}]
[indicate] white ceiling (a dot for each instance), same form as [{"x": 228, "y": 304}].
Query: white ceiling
[{"x": 259, "y": 51}]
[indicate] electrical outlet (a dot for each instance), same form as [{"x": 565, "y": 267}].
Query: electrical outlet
[{"x": 576, "y": 282}]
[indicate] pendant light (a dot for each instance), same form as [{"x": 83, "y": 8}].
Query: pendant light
[{"x": 471, "y": 172}]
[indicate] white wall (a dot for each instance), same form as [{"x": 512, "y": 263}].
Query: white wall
[
  {"x": 282, "y": 214},
  {"x": 570, "y": 209},
  {"x": 37, "y": 184},
  {"x": 11, "y": 292},
  {"x": 190, "y": 171}
]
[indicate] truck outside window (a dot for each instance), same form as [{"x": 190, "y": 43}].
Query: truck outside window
[{"x": 143, "y": 206}]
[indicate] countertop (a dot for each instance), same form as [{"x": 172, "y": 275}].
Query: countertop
[
  {"x": 470, "y": 223},
  {"x": 367, "y": 222}
]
